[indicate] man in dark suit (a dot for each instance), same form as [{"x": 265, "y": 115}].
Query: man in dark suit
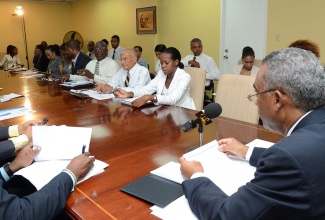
[
  {"x": 289, "y": 179},
  {"x": 79, "y": 59},
  {"x": 49, "y": 201}
]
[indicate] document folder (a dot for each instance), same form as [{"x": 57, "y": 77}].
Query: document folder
[{"x": 154, "y": 189}]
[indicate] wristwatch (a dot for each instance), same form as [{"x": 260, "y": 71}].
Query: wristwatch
[
  {"x": 155, "y": 98},
  {"x": 7, "y": 169}
]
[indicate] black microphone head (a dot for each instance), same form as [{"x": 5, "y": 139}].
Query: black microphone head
[{"x": 213, "y": 110}]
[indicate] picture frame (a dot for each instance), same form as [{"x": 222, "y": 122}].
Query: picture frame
[{"x": 146, "y": 22}]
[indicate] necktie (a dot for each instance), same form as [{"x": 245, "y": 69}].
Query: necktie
[
  {"x": 97, "y": 68},
  {"x": 127, "y": 80},
  {"x": 113, "y": 55},
  {"x": 194, "y": 58}
]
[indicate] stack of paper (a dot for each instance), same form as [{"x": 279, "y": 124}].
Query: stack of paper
[
  {"x": 73, "y": 84},
  {"x": 57, "y": 153},
  {"x": 93, "y": 94},
  {"x": 226, "y": 172},
  {"x": 8, "y": 97},
  {"x": 14, "y": 112}
]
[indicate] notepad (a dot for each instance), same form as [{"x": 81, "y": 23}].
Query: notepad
[{"x": 60, "y": 142}]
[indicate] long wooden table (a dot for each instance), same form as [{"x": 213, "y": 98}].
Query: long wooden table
[{"x": 132, "y": 141}]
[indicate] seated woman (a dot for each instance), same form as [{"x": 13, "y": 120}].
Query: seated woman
[
  {"x": 172, "y": 84},
  {"x": 247, "y": 68},
  {"x": 11, "y": 59},
  {"x": 41, "y": 61},
  {"x": 158, "y": 50},
  {"x": 140, "y": 61},
  {"x": 66, "y": 60},
  {"x": 55, "y": 66}
]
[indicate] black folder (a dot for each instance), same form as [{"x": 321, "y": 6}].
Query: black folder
[{"x": 154, "y": 189}]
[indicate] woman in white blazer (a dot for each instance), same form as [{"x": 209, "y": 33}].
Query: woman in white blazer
[
  {"x": 11, "y": 59},
  {"x": 172, "y": 84}
]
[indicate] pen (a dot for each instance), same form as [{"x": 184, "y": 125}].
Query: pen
[
  {"x": 83, "y": 148},
  {"x": 5, "y": 114}
]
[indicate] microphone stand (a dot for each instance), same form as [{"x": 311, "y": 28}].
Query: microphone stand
[{"x": 200, "y": 130}]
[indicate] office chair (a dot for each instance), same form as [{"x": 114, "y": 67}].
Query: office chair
[
  {"x": 232, "y": 92},
  {"x": 197, "y": 85}
]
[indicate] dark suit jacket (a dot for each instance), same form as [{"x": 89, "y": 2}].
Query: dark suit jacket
[
  {"x": 7, "y": 147},
  {"x": 42, "y": 63},
  {"x": 289, "y": 181},
  {"x": 81, "y": 62},
  {"x": 46, "y": 203}
]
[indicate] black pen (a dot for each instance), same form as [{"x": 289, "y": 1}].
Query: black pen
[
  {"x": 44, "y": 121},
  {"x": 83, "y": 148}
]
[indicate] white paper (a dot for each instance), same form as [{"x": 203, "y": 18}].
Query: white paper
[
  {"x": 40, "y": 173},
  {"x": 75, "y": 83},
  {"x": 129, "y": 101},
  {"x": 60, "y": 142},
  {"x": 14, "y": 112},
  {"x": 228, "y": 173},
  {"x": 93, "y": 94}
]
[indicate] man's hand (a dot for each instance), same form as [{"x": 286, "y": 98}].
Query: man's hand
[
  {"x": 26, "y": 128},
  {"x": 103, "y": 88},
  {"x": 80, "y": 165},
  {"x": 24, "y": 157},
  {"x": 65, "y": 77},
  {"x": 86, "y": 73},
  {"x": 230, "y": 146},
  {"x": 120, "y": 93},
  {"x": 193, "y": 63},
  {"x": 188, "y": 168}
]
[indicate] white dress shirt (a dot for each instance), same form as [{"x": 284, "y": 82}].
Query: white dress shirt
[
  {"x": 91, "y": 54},
  {"x": 117, "y": 55},
  {"x": 206, "y": 63},
  {"x": 107, "y": 69},
  {"x": 139, "y": 77},
  {"x": 10, "y": 61},
  {"x": 158, "y": 66}
]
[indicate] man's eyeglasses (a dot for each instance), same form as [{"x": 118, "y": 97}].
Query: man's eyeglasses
[
  {"x": 100, "y": 48},
  {"x": 253, "y": 97}
]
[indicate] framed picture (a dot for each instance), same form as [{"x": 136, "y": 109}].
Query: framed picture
[{"x": 146, "y": 20}]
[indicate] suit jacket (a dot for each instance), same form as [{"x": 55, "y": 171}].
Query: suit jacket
[
  {"x": 81, "y": 62},
  {"x": 46, "y": 203},
  {"x": 178, "y": 91},
  {"x": 289, "y": 181},
  {"x": 42, "y": 63},
  {"x": 7, "y": 147}
]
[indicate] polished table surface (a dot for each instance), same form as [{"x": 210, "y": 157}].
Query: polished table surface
[{"x": 132, "y": 141}]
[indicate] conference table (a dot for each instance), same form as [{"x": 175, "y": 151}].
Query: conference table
[{"x": 133, "y": 141}]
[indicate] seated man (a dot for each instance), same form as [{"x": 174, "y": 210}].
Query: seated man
[
  {"x": 200, "y": 60},
  {"x": 49, "y": 201},
  {"x": 102, "y": 69},
  {"x": 131, "y": 76},
  {"x": 79, "y": 59},
  {"x": 91, "y": 49},
  {"x": 289, "y": 178}
]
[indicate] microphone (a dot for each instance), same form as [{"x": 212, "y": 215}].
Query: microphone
[{"x": 205, "y": 116}]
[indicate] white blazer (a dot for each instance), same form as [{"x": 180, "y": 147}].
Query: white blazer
[{"x": 178, "y": 91}]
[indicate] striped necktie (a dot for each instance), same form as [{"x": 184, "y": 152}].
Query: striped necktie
[
  {"x": 97, "y": 68},
  {"x": 127, "y": 80}
]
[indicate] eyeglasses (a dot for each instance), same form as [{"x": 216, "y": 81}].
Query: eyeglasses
[
  {"x": 100, "y": 48},
  {"x": 125, "y": 59},
  {"x": 253, "y": 97}
]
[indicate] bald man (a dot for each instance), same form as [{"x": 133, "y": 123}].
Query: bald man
[{"x": 130, "y": 76}]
